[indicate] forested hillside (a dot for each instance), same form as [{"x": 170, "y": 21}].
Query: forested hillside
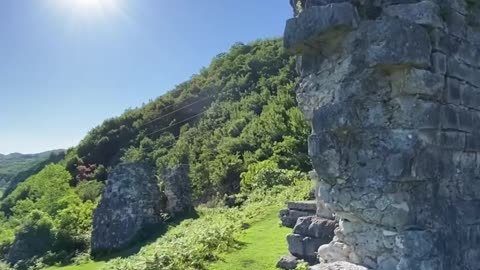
[
  {"x": 236, "y": 124},
  {"x": 16, "y": 167},
  {"x": 238, "y": 111}
]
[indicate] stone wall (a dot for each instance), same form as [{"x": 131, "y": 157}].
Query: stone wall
[{"x": 392, "y": 89}]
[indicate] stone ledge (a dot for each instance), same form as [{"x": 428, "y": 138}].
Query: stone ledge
[{"x": 320, "y": 27}]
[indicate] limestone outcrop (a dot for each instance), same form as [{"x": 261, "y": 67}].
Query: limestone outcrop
[
  {"x": 131, "y": 204},
  {"x": 178, "y": 191},
  {"x": 392, "y": 90}
]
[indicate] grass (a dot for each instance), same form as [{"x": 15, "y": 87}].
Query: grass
[
  {"x": 88, "y": 266},
  {"x": 263, "y": 245}
]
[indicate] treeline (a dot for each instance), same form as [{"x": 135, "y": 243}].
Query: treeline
[{"x": 235, "y": 123}]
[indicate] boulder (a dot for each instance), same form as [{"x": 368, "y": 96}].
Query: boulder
[
  {"x": 178, "y": 191},
  {"x": 131, "y": 205},
  {"x": 288, "y": 262}
]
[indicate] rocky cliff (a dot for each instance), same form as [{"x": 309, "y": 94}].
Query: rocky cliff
[
  {"x": 131, "y": 204},
  {"x": 392, "y": 90}
]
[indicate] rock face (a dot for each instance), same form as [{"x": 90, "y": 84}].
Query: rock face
[
  {"x": 392, "y": 89},
  {"x": 131, "y": 204},
  {"x": 178, "y": 190}
]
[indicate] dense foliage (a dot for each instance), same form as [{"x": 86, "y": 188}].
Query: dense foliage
[
  {"x": 15, "y": 168},
  {"x": 236, "y": 125},
  {"x": 47, "y": 213},
  {"x": 194, "y": 244},
  {"x": 247, "y": 113}
]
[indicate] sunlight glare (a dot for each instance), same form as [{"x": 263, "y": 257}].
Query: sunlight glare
[{"x": 89, "y": 8}]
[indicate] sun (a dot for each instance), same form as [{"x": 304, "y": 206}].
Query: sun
[{"x": 88, "y": 8}]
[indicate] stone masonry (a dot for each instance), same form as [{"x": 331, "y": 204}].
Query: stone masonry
[{"x": 392, "y": 90}]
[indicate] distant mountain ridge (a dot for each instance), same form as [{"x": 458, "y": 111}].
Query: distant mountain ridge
[{"x": 16, "y": 167}]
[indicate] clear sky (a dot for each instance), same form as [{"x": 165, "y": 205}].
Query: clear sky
[{"x": 67, "y": 65}]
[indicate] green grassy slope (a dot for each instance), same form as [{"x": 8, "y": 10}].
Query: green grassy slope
[
  {"x": 88, "y": 266},
  {"x": 264, "y": 244}
]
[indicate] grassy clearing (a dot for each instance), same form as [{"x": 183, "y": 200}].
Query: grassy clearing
[{"x": 263, "y": 244}]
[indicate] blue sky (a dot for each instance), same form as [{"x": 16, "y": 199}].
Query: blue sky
[{"x": 66, "y": 65}]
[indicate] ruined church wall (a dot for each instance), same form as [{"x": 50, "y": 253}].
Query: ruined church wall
[{"x": 392, "y": 90}]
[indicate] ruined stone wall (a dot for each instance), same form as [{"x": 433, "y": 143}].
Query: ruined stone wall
[{"x": 392, "y": 89}]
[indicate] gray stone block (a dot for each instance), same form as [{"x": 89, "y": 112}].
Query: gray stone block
[
  {"x": 288, "y": 262},
  {"x": 439, "y": 63},
  {"x": 472, "y": 142},
  {"x": 449, "y": 117},
  {"x": 304, "y": 247},
  {"x": 456, "y": 23},
  {"x": 316, "y": 27},
  {"x": 289, "y": 218},
  {"x": 465, "y": 120},
  {"x": 452, "y": 140},
  {"x": 315, "y": 227},
  {"x": 453, "y": 91},
  {"x": 417, "y": 82},
  {"x": 463, "y": 72},
  {"x": 305, "y": 206},
  {"x": 439, "y": 41},
  {"x": 470, "y": 97},
  {"x": 425, "y": 13},
  {"x": 393, "y": 42},
  {"x": 411, "y": 112}
]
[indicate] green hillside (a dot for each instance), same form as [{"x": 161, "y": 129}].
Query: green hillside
[
  {"x": 13, "y": 164},
  {"x": 235, "y": 123}
]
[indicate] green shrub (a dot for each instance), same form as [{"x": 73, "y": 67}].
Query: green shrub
[
  {"x": 266, "y": 174},
  {"x": 89, "y": 190}
]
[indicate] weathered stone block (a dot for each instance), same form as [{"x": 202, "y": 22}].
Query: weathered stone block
[
  {"x": 417, "y": 82},
  {"x": 315, "y": 227},
  {"x": 289, "y": 217},
  {"x": 449, "y": 117},
  {"x": 333, "y": 117},
  {"x": 470, "y": 97},
  {"x": 465, "y": 120},
  {"x": 456, "y": 23},
  {"x": 439, "y": 63},
  {"x": 425, "y": 13},
  {"x": 288, "y": 262},
  {"x": 414, "y": 113},
  {"x": 440, "y": 41},
  {"x": 395, "y": 42},
  {"x": 452, "y": 140},
  {"x": 304, "y": 247},
  {"x": 463, "y": 72},
  {"x": 453, "y": 91},
  {"x": 472, "y": 142},
  {"x": 320, "y": 27},
  {"x": 305, "y": 206}
]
